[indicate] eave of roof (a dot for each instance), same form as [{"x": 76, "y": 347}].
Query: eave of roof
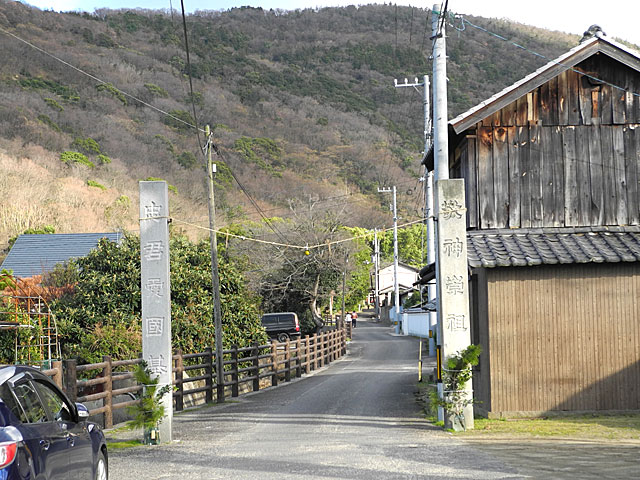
[
  {"x": 570, "y": 59},
  {"x": 552, "y": 246}
]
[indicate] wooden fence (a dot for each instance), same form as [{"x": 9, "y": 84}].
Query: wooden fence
[{"x": 194, "y": 374}]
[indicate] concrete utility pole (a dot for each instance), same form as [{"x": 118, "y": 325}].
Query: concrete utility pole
[
  {"x": 428, "y": 191},
  {"x": 376, "y": 266},
  {"x": 396, "y": 289},
  {"x": 451, "y": 265},
  {"x": 344, "y": 289},
  {"x": 440, "y": 125},
  {"x": 215, "y": 278}
]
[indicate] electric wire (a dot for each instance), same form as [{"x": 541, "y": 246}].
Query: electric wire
[
  {"x": 97, "y": 79},
  {"x": 186, "y": 47}
]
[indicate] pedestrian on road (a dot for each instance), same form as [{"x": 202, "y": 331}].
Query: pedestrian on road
[
  {"x": 347, "y": 319},
  {"x": 354, "y": 317}
]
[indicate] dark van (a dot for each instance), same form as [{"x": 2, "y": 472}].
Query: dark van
[{"x": 282, "y": 325}]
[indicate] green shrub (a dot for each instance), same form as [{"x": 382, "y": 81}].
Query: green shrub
[
  {"x": 113, "y": 91},
  {"x": 93, "y": 183},
  {"x": 104, "y": 160},
  {"x": 53, "y": 104},
  {"x": 181, "y": 120},
  {"x": 76, "y": 157},
  {"x": 87, "y": 145},
  {"x": 167, "y": 143},
  {"x": 264, "y": 152},
  {"x": 47, "y": 229},
  {"x": 39, "y": 83},
  {"x": 156, "y": 91},
  {"x": 104, "y": 40},
  {"x": 187, "y": 160},
  {"x": 48, "y": 122}
]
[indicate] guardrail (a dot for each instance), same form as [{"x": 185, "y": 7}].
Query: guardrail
[{"x": 194, "y": 374}]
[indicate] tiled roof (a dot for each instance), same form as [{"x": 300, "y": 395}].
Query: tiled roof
[
  {"x": 513, "y": 248},
  {"x": 36, "y": 254}
]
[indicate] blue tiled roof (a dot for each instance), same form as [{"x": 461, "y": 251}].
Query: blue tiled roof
[
  {"x": 37, "y": 254},
  {"x": 550, "y": 246}
]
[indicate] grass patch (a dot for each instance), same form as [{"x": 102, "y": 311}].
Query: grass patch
[
  {"x": 578, "y": 427},
  {"x": 124, "y": 444}
]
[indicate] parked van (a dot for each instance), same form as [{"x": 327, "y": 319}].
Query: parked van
[{"x": 283, "y": 325}]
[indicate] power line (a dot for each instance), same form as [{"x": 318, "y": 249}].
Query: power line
[
  {"x": 93, "y": 77},
  {"x": 533, "y": 52}
]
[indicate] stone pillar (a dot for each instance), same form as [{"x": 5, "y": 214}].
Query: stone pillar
[
  {"x": 156, "y": 292},
  {"x": 454, "y": 327}
]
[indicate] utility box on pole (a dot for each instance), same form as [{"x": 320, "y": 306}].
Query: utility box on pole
[{"x": 156, "y": 292}]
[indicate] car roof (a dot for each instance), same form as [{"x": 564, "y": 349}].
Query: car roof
[{"x": 10, "y": 371}]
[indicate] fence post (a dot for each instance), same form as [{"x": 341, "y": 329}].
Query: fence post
[
  {"x": 274, "y": 366},
  {"x": 298, "y": 358},
  {"x": 57, "y": 377},
  {"x": 307, "y": 354},
  {"x": 208, "y": 361},
  {"x": 323, "y": 351},
  {"x": 179, "y": 381},
  {"x": 256, "y": 367},
  {"x": 234, "y": 371},
  {"x": 70, "y": 379},
  {"x": 107, "y": 401},
  {"x": 287, "y": 360},
  {"x": 315, "y": 352}
]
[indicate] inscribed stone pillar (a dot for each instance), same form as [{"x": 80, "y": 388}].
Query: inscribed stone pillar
[
  {"x": 156, "y": 293},
  {"x": 454, "y": 327}
]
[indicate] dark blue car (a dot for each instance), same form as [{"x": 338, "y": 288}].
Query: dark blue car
[{"x": 43, "y": 435}]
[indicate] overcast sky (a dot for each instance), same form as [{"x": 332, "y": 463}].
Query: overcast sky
[{"x": 618, "y": 18}]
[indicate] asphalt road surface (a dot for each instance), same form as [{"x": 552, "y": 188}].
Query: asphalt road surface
[{"x": 356, "y": 419}]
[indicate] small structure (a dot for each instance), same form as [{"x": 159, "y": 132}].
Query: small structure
[
  {"x": 407, "y": 277},
  {"x": 36, "y": 254}
]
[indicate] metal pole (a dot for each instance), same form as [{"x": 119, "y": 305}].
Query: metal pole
[
  {"x": 215, "y": 279},
  {"x": 395, "y": 262}
]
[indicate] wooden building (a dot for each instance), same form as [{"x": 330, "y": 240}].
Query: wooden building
[{"x": 552, "y": 172}]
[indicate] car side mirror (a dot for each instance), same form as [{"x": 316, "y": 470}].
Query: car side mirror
[{"x": 83, "y": 412}]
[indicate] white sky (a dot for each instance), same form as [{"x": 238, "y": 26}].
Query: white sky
[{"x": 618, "y": 18}]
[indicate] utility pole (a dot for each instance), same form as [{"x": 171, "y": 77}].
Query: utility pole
[
  {"x": 428, "y": 191},
  {"x": 376, "y": 266},
  {"x": 344, "y": 288},
  {"x": 215, "y": 278},
  {"x": 441, "y": 145},
  {"x": 396, "y": 289},
  {"x": 451, "y": 264}
]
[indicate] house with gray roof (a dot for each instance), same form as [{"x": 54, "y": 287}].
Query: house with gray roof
[
  {"x": 552, "y": 182},
  {"x": 35, "y": 254}
]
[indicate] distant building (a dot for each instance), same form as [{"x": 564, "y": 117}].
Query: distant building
[
  {"x": 407, "y": 277},
  {"x": 36, "y": 254}
]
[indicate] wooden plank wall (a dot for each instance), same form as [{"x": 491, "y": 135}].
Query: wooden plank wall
[
  {"x": 564, "y": 338},
  {"x": 566, "y": 154}
]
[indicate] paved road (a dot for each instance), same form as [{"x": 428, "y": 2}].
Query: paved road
[{"x": 356, "y": 419}]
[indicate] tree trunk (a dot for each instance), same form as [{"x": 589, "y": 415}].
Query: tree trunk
[{"x": 313, "y": 304}]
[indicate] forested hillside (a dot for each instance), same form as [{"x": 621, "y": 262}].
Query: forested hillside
[{"x": 302, "y": 104}]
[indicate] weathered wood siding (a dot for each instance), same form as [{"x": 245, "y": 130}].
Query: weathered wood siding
[
  {"x": 565, "y": 154},
  {"x": 562, "y": 338}
]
